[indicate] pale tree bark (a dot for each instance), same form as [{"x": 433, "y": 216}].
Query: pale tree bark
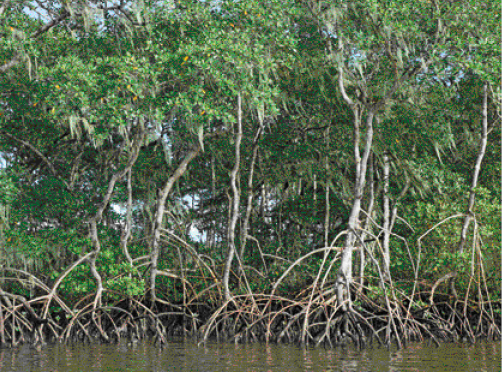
[
  {"x": 477, "y": 169},
  {"x": 212, "y": 230},
  {"x": 344, "y": 276},
  {"x": 235, "y": 203},
  {"x": 263, "y": 202},
  {"x": 326, "y": 216},
  {"x": 386, "y": 216},
  {"x": 126, "y": 232},
  {"x": 369, "y": 105},
  {"x": 371, "y": 203},
  {"x": 395, "y": 205},
  {"x": 3, "y": 6},
  {"x": 249, "y": 205},
  {"x": 315, "y": 188},
  {"x": 159, "y": 216},
  {"x": 326, "y": 196},
  {"x": 98, "y": 216}
]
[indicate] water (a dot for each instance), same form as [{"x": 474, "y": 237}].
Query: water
[{"x": 187, "y": 356}]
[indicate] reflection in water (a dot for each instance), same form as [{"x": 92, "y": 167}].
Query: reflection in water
[{"x": 183, "y": 355}]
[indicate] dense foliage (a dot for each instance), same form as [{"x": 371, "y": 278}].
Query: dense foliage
[{"x": 163, "y": 149}]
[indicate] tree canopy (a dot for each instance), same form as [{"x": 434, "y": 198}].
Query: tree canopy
[{"x": 181, "y": 150}]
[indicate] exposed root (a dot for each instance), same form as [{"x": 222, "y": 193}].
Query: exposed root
[{"x": 314, "y": 317}]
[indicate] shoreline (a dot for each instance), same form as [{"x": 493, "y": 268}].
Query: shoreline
[{"x": 251, "y": 318}]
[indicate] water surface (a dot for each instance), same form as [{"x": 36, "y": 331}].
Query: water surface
[{"x": 185, "y": 355}]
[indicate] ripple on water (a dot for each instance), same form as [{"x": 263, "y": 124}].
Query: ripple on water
[{"x": 183, "y": 356}]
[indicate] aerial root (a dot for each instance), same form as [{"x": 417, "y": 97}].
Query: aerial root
[
  {"x": 310, "y": 319},
  {"x": 277, "y": 319}
]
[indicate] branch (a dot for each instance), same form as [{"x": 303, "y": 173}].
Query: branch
[
  {"x": 161, "y": 201},
  {"x": 42, "y": 156},
  {"x": 118, "y": 175},
  {"x": 18, "y": 58},
  {"x": 49, "y": 25},
  {"x": 4, "y": 5},
  {"x": 340, "y": 68},
  {"x": 477, "y": 170},
  {"x": 397, "y": 83},
  {"x": 14, "y": 61}
]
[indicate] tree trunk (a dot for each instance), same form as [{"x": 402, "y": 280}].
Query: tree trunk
[
  {"x": 98, "y": 216},
  {"x": 235, "y": 203},
  {"x": 249, "y": 205},
  {"x": 475, "y": 174},
  {"x": 315, "y": 190},
  {"x": 362, "y": 252},
  {"x": 159, "y": 215},
  {"x": 386, "y": 217},
  {"x": 344, "y": 276},
  {"x": 212, "y": 230},
  {"x": 126, "y": 233},
  {"x": 327, "y": 204},
  {"x": 263, "y": 202}
]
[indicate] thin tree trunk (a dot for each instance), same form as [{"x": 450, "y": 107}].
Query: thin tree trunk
[
  {"x": 362, "y": 253},
  {"x": 262, "y": 202},
  {"x": 212, "y": 230},
  {"x": 159, "y": 215},
  {"x": 2, "y": 327},
  {"x": 98, "y": 216},
  {"x": 327, "y": 204},
  {"x": 386, "y": 216},
  {"x": 475, "y": 174},
  {"x": 326, "y": 217},
  {"x": 126, "y": 233},
  {"x": 4, "y": 6},
  {"x": 396, "y": 202},
  {"x": 249, "y": 206},
  {"x": 315, "y": 189},
  {"x": 235, "y": 203},
  {"x": 344, "y": 276}
]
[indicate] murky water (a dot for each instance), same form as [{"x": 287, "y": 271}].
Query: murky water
[{"x": 186, "y": 356}]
